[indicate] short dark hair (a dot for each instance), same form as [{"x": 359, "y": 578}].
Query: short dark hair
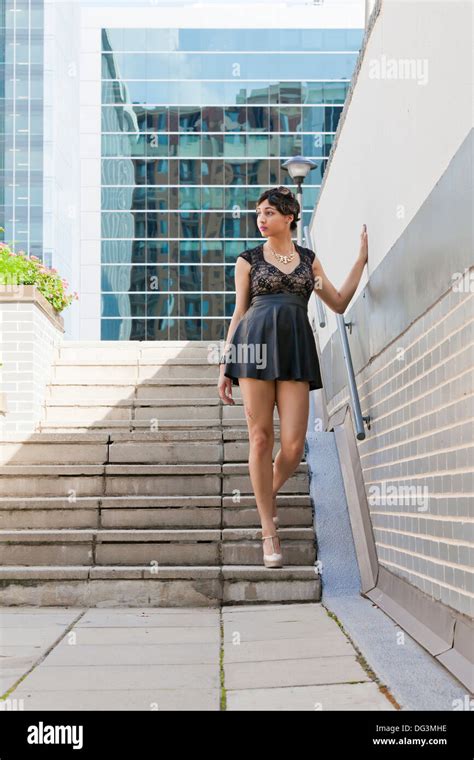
[{"x": 284, "y": 201}]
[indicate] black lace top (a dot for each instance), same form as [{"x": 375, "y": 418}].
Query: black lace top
[{"x": 266, "y": 278}]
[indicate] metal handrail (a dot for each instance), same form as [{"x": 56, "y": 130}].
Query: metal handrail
[
  {"x": 359, "y": 419},
  {"x": 353, "y": 392}
]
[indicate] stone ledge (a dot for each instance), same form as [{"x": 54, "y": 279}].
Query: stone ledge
[{"x": 31, "y": 294}]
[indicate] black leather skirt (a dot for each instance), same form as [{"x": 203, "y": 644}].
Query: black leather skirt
[{"x": 274, "y": 341}]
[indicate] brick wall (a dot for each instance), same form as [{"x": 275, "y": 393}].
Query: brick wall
[
  {"x": 417, "y": 458},
  {"x": 30, "y": 331}
]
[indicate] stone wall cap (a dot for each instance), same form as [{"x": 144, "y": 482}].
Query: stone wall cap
[{"x": 31, "y": 294}]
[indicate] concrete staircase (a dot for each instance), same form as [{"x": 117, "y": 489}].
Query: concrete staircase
[{"x": 135, "y": 490}]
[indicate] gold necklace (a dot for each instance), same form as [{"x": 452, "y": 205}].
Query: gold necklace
[{"x": 282, "y": 258}]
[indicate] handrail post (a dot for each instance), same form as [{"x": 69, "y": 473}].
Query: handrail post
[{"x": 353, "y": 392}]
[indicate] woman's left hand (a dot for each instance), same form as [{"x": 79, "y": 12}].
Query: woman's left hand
[{"x": 364, "y": 244}]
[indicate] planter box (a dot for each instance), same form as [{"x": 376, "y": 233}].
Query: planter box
[{"x": 31, "y": 330}]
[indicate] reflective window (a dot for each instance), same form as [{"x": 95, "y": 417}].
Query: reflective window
[
  {"x": 195, "y": 126},
  {"x": 21, "y": 115},
  {"x": 146, "y": 67},
  {"x": 245, "y": 39}
]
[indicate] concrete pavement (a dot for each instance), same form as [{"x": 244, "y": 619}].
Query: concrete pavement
[{"x": 270, "y": 657}]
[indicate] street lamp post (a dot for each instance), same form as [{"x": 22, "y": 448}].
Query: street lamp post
[{"x": 298, "y": 168}]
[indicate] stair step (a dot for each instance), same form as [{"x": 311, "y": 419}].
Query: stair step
[
  {"x": 128, "y": 411},
  {"x": 159, "y": 586},
  {"x": 111, "y": 480},
  {"x": 81, "y": 403},
  {"x": 107, "y": 360},
  {"x": 237, "y": 546},
  {"x": 189, "y": 392},
  {"x": 66, "y": 426},
  {"x": 44, "y": 448},
  {"x": 160, "y": 446},
  {"x": 129, "y": 379},
  {"x": 136, "y": 491},
  {"x": 74, "y": 350},
  {"x": 243, "y": 546},
  {"x": 133, "y": 371},
  {"x": 111, "y": 393},
  {"x": 79, "y": 426},
  {"x": 165, "y": 452},
  {"x": 24, "y": 481},
  {"x": 148, "y": 512},
  {"x": 103, "y": 547}
]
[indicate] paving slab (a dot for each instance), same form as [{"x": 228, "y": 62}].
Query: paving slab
[
  {"x": 22, "y": 658},
  {"x": 132, "y": 654},
  {"x": 97, "y": 677},
  {"x": 359, "y": 696},
  {"x": 127, "y": 700},
  {"x": 32, "y": 636},
  {"x": 281, "y": 649},
  {"x": 149, "y": 619},
  {"x": 293, "y": 672},
  {"x": 150, "y": 635},
  {"x": 262, "y": 630},
  {"x": 42, "y": 616}
]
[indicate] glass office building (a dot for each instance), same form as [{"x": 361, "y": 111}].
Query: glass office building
[
  {"x": 195, "y": 125},
  {"x": 21, "y": 124}
]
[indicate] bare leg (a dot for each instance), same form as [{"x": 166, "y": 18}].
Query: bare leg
[
  {"x": 259, "y": 402},
  {"x": 274, "y": 497},
  {"x": 292, "y": 398}
]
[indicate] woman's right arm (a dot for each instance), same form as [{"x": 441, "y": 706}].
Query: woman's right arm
[{"x": 242, "y": 301}]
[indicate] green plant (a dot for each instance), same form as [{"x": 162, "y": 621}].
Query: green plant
[{"x": 19, "y": 269}]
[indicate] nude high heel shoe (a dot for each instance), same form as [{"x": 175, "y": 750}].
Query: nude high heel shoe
[{"x": 274, "y": 559}]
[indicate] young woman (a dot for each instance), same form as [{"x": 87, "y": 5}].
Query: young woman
[{"x": 272, "y": 355}]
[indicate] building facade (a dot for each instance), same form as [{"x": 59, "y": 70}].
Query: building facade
[
  {"x": 21, "y": 124},
  {"x": 196, "y": 124},
  {"x": 136, "y": 139}
]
